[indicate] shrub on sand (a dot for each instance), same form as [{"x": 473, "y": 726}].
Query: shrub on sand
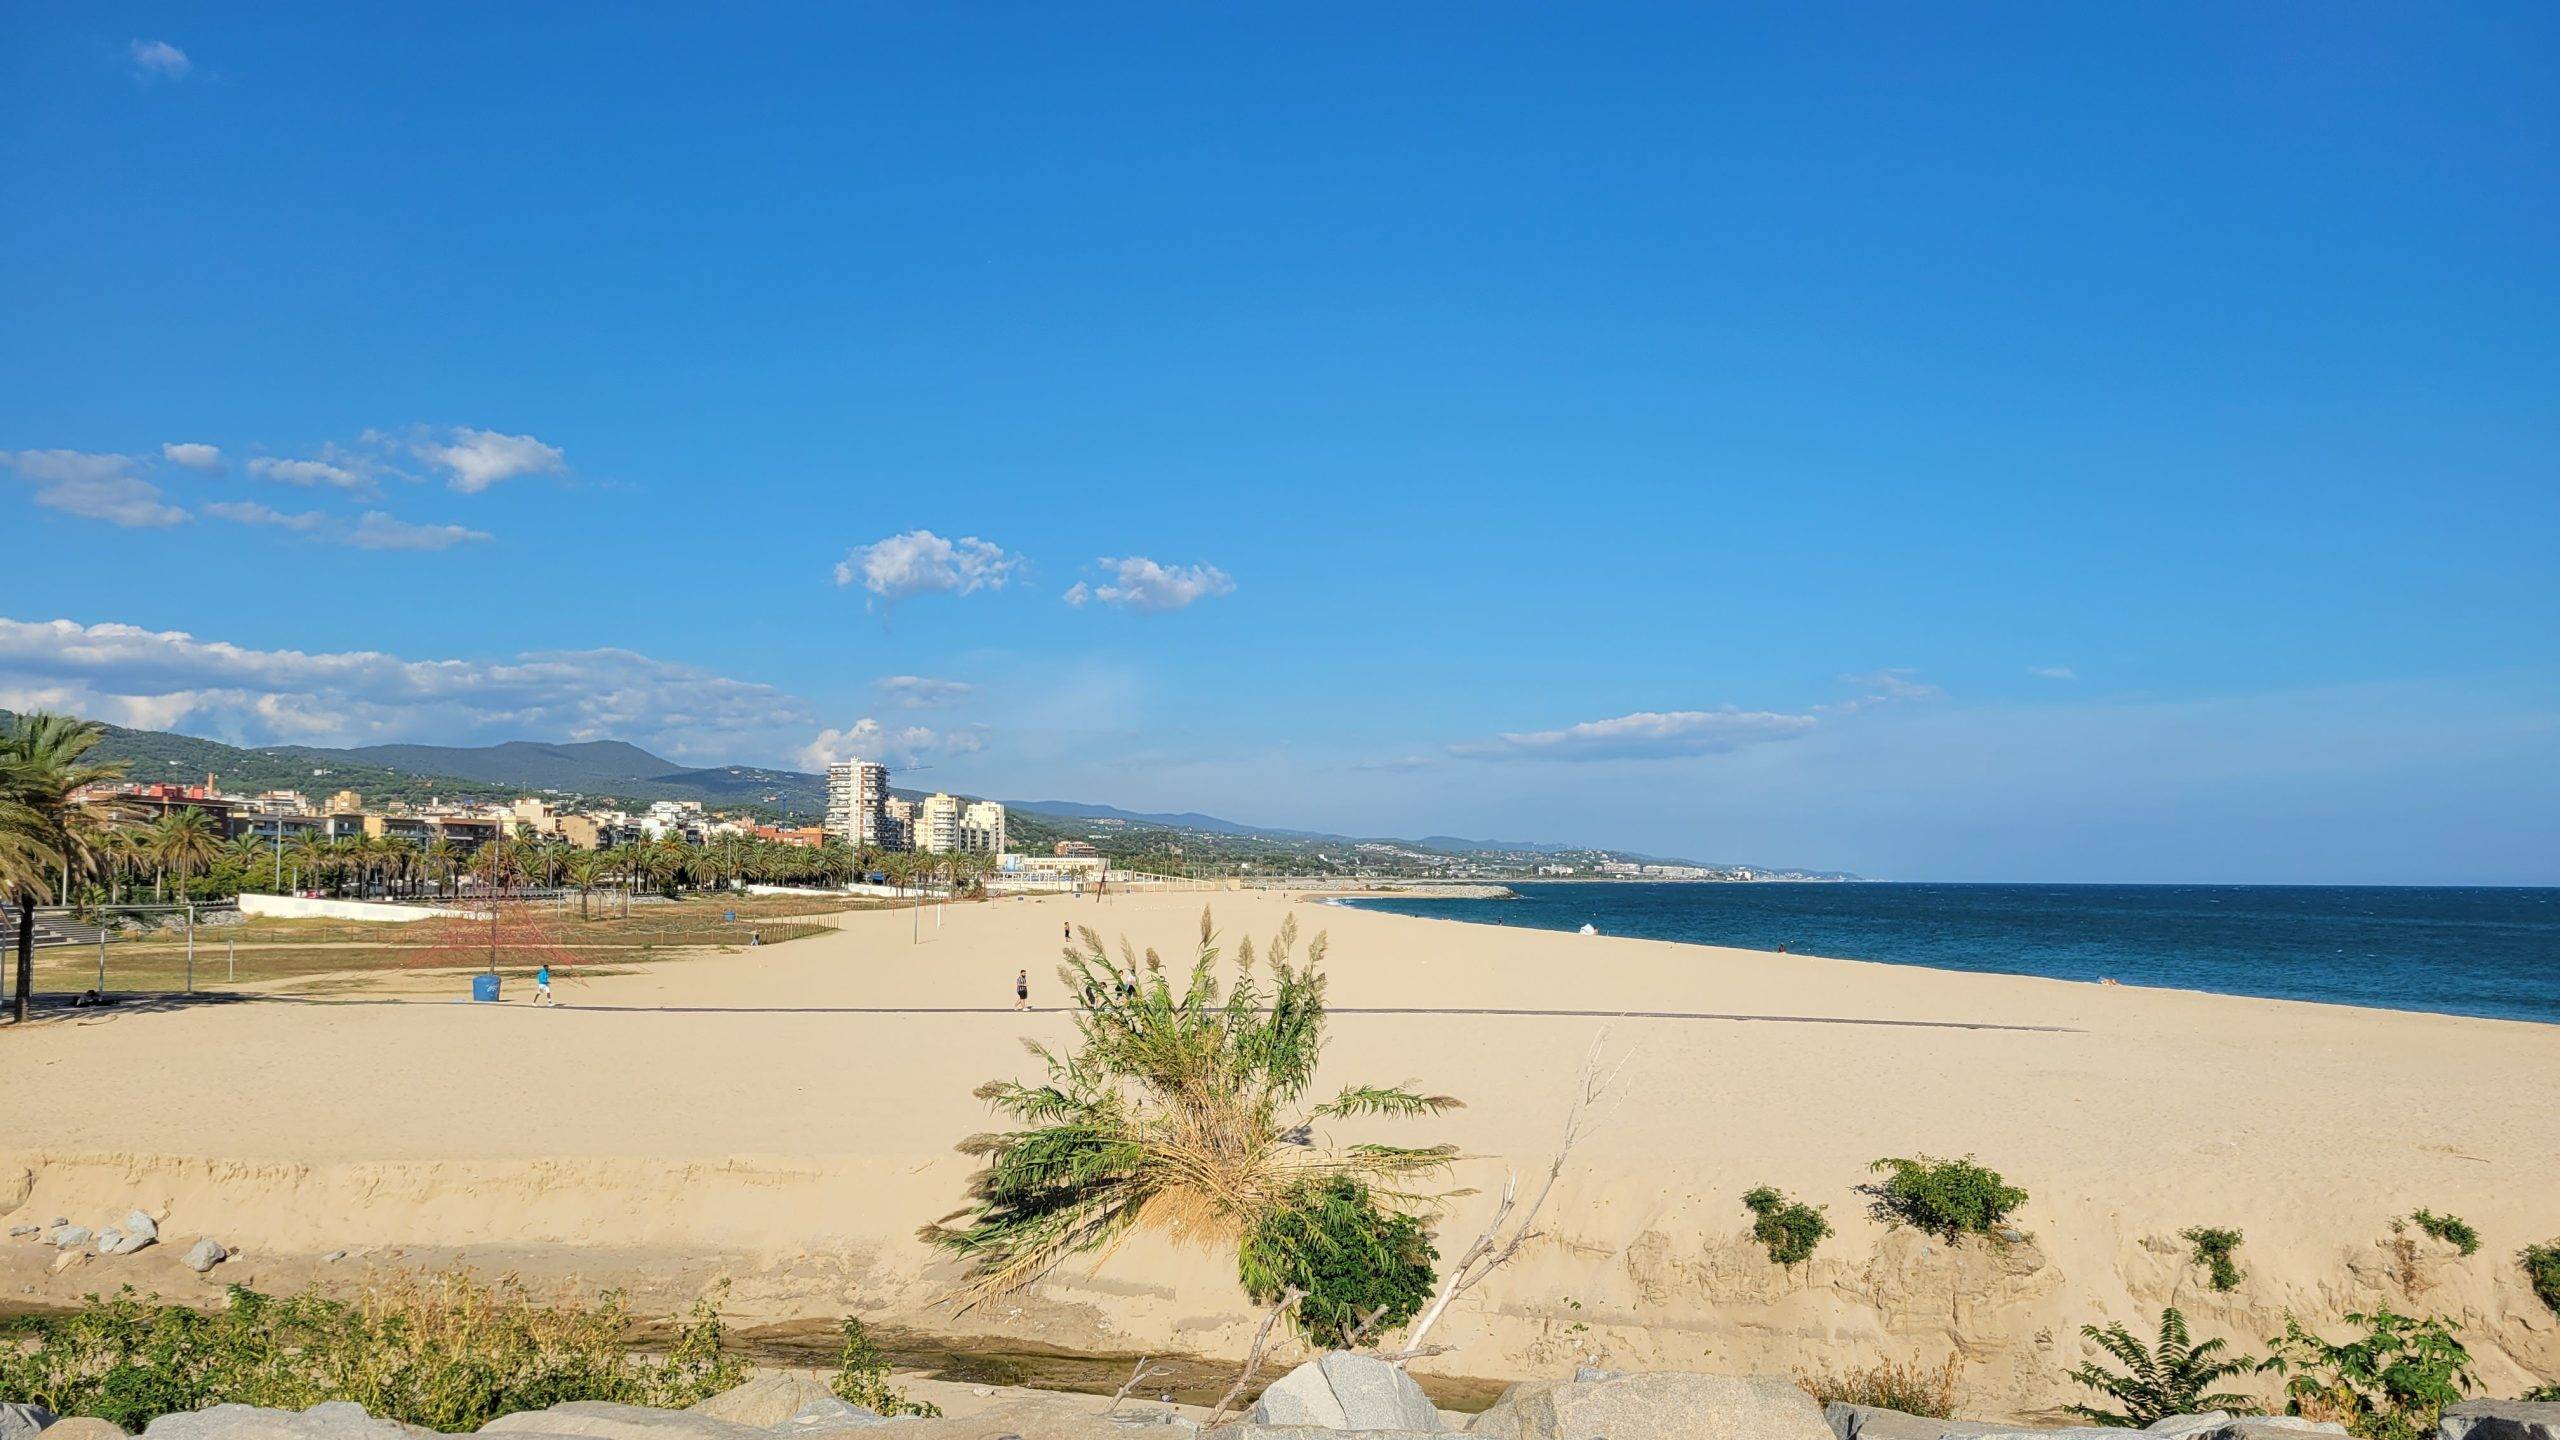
[
  {"x": 2212, "y": 1250},
  {"x": 1947, "y": 1198},
  {"x": 862, "y": 1378},
  {"x": 1789, "y": 1228},
  {"x": 2542, "y": 1271},
  {"x": 1913, "y": 1389},
  {"x": 1176, "y": 1111},
  {"x": 2173, "y": 1377},
  {"x": 2451, "y": 1229}
]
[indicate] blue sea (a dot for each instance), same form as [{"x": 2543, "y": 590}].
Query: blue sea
[{"x": 2493, "y": 952}]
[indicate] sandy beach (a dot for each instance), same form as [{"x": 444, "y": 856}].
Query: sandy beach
[{"x": 786, "y": 1117}]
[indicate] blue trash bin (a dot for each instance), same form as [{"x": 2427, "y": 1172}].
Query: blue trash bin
[{"x": 484, "y": 987}]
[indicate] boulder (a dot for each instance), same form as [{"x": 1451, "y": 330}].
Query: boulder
[
  {"x": 1080, "y": 1418},
  {"x": 1872, "y": 1422},
  {"x": 1342, "y": 1391},
  {"x": 604, "y": 1420},
  {"x": 1671, "y": 1405},
  {"x": 1250, "y": 1431},
  {"x": 86, "y": 1427},
  {"x": 765, "y": 1400},
  {"x": 21, "y": 1422},
  {"x": 68, "y": 1237},
  {"x": 204, "y": 1255},
  {"x": 333, "y": 1420},
  {"x": 2500, "y": 1420},
  {"x": 135, "y": 1233}
]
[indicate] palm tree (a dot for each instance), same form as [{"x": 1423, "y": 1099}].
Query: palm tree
[
  {"x": 584, "y": 869},
  {"x": 441, "y": 862},
  {"x": 1174, "y": 1112},
  {"x": 2169, "y": 1379},
  {"x": 184, "y": 841},
  {"x": 49, "y": 818}
]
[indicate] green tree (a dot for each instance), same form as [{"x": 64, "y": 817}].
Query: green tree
[
  {"x": 1359, "y": 1266},
  {"x": 53, "y": 825},
  {"x": 2171, "y": 1378},
  {"x": 1174, "y": 1112}
]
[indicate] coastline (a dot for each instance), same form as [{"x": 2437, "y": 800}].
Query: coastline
[{"x": 785, "y": 1116}]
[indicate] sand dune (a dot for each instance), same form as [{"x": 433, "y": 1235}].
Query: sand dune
[{"x": 786, "y": 1115}]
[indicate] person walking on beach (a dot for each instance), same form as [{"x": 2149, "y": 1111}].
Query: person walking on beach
[
  {"x": 1067, "y": 931},
  {"x": 1022, "y": 990},
  {"x": 542, "y": 984}
]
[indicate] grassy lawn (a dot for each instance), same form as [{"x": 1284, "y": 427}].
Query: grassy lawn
[{"x": 266, "y": 950}]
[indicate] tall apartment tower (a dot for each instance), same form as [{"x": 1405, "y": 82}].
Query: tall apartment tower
[
  {"x": 982, "y": 827},
  {"x": 856, "y": 792},
  {"x": 938, "y": 824}
]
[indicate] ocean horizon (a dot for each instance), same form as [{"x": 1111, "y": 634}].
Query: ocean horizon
[{"x": 2485, "y": 951}]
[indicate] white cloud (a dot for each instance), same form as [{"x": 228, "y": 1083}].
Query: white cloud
[
  {"x": 250, "y": 512},
  {"x": 378, "y": 531},
  {"x": 1645, "y": 735},
  {"x": 897, "y": 746},
  {"x": 920, "y": 562},
  {"x": 1882, "y": 687},
  {"x": 309, "y": 472},
  {"x": 62, "y": 465},
  {"x": 1139, "y": 583},
  {"x": 2052, "y": 672},
  {"x": 921, "y": 692},
  {"x": 259, "y": 696},
  {"x": 160, "y": 60},
  {"x": 474, "y": 460},
  {"x": 206, "y": 458},
  {"x": 95, "y": 487}
]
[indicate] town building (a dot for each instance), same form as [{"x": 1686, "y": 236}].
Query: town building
[
  {"x": 982, "y": 827},
  {"x": 857, "y": 801},
  {"x": 937, "y": 824}
]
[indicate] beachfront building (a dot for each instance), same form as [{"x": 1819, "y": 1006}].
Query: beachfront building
[
  {"x": 857, "y": 802},
  {"x": 982, "y": 827},
  {"x": 938, "y": 824},
  {"x": 897, "y": 823}
]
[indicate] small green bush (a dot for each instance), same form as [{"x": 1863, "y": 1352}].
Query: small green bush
[
  {"x": 1947, "y": 1198},
  {"x": 862, "y": 1378},
  {"x": 1790, "y": 1228},
  {"x": 2390, "y": 1383},
  {"x": 2213, "y": 1251},
  {"x": 2542, "y": 1271},
  {"x": 1361, "y": 1264},
  {"x": 2451, "y": 1229}
]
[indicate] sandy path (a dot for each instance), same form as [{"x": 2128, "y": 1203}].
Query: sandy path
[{"x": 802, "y": 1098}]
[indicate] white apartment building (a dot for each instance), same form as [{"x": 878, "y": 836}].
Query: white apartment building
[
  {"x": 937, "y": 825},
  {"x": 857, "y": 797},
  {"x": 982, "y": 827}
]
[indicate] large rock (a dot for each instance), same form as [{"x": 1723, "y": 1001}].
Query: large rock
[
  {"x": 86, "y": 1427},
  {"x": 2500, "y": 1420},
  {"x": 1871, "y": 1422},
  {"x": 1666, "y": 1406},
  {"x": 1342, "y": 1391},
  {"x": 1080, "y": 1418},
  {"x": 2211, "y": 1425},
  {"x": 68, "y": 1237},
  {"x": 604, "y": 1420},
  {"x": 21, "y": 1422},
  {"x": 767, "y": 1400},
  {"x": 334, "y": 1420},
  {"x": 204, "y": 1255},
  {"x": 136, "y": 1232}
]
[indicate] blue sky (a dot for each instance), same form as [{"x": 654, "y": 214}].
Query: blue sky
[{"x": 1979, "y": 442}]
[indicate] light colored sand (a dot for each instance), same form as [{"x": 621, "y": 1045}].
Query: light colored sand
[{"x": 759, "y": 1108}]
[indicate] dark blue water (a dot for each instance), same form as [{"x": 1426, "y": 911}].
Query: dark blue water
[{"x": 2493, "y": 952}]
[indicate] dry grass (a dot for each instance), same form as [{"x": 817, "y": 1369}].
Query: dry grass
[{"x": 1913, "y": 1389}]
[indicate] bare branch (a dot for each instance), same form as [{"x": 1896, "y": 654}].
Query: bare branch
[
  {"x": 1493, "y": 1248},
  {"x": 1253, "y": 1357},
  {"x": 1138, "y": 1375}
]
